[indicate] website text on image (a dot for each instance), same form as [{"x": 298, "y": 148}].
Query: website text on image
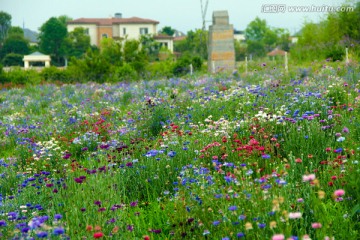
[{"x": 282, "y": 8}]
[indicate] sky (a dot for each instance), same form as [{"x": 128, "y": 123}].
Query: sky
[{"x": 183, "y": 15}]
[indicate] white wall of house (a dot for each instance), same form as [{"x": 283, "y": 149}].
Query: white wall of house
[
  {"x": 92, "y": 31},
  {"x": 132, "y": 31},
  {"x": 168, "y": 43},
  {"x": 239, "y": 37}
]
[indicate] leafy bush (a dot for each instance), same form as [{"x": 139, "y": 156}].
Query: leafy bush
[
  {"x": 13, "y": 59},
  {"x": 19, "y": 76},
  {"x": 335, "y": 53},
  {"x": 182, "y": 66},
  {"x": 160, "y": 69},
  {"x": 3, "y": 78},
  {"x": 125, "y": 73},
  {"x": 197, "y": 63},
  {"x": 54, "y": 74}
]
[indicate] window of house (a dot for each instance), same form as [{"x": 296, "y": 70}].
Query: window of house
[
  {"x": 86, "y": 31},
  {"x": 144, "y": 31},
  {"x": 124, "y": 31},
  {"x": 104, "y": 35}
]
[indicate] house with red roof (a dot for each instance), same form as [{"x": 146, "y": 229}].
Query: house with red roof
[{"x": 118, "y": 27}]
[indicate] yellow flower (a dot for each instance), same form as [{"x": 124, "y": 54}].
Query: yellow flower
[
  {"x": 321, "y": 194},
  {"x": 248, "y": 226},
  {"x": 273, "y": 224}
]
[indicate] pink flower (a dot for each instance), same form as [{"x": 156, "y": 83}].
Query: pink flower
[
  {"x": 339, "y": 192},
  {"x": 294, "y": 215},
  {"x": 307, "y": 178},
  {"x": 278, "y": 237},
  {"x": 316, "y": 225}
]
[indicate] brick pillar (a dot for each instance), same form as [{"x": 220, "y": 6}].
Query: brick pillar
[{"x": 221, "y": 50}]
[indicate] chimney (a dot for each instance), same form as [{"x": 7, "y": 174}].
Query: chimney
[{"x": 118, "y": 15}]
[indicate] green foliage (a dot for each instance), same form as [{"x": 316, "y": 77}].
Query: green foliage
[
  {"x": 194, "y": 44},
  {"x": 335, "y": 53},
  {"x": 134, "y": 55},
  {"x": 240, "y": 50},
  {"x": 197, "y": 63},
  {"x": 182, "y": 66},
  {"x": 125, "y": 73},
  {"x": 13, "y": 59},
  {"x": 330, "y": 37},
  {"x": 150, "y": 47},
  {"x": 5, "y": 24},
  {"x": 19, "y": 76},
  {"x": 52, "y": 39},
  {"x": 3, "y": 78},
  {"x": 111, "y": 50},
  {"x": 53, "y": 74},
  {"x": 93, "y": 67},
  {"x": 260, "y": 38},
  {"x": 79, "y": 41},
  {"x": 167, "y": 30},
  {"x": 15, "y": 43},
  {"x": 160, "y": 69}
]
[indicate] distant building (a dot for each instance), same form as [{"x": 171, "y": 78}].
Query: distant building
[
  {"x": 118, "y": 28},
  {"x": 293, "y": 39},
  {"x": 239, "y": 35}
]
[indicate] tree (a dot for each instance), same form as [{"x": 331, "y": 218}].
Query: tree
[
  {"x": 15, "y": 43},
  {"x": 52, "y": 39},
  {"x": 79, "y": 42},
  {"x": 167, "y": 30},
  {"x": 5, "y": 24},
  {"x": 194, "y": 44},
  {"x": 64, "y": 19},
  {"x": 256, "y": 30},
  {"x": 16, "y": 31},
  {"x": 261, "y": 38},
  {"x": 150, "y": 47}
]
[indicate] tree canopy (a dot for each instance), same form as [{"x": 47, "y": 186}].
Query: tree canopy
[
  {"x": 5, "y": 24},
  {"x": 52, "y": 38},
  {"x": 168, "y": 30}
]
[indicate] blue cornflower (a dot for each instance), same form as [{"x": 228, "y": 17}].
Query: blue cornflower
[
  {"x": 171, "y": 154},
  {"x": 215, "y": 223},
  {"x": 240, "y": 235},
  {"x": 42, "y": 234},
  {"x": 261, "y": 225},
  {"x": 232, "y": 208}
]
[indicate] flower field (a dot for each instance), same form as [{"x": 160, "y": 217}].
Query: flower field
[{"x": 261, "y": 156}]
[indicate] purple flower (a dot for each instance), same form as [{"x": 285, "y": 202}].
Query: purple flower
[
  {"x": 215, "y": 223},
  {"x": 261, "y": 225},
  {"x": 42, "y": 234},
  {"x": 3, "y": 223},
  {"x": 98, "y": 203},
  {"x": 134, "y": 204},
  {"x": 58, "y": 231},
  {"x": 57, "y": 216},
  {"x": 233, "y": 208},
  {"x": 240, "y": 235},
  {"x": 25, "y": 230},
  {"x": 130, "y": 228},
  {"x": 171, "y": 154}
]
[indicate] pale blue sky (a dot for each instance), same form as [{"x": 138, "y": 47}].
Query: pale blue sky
[{"x": 183, "y": 15}]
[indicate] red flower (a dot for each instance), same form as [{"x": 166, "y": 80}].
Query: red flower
[
  {"x": 146, "y": 237},
  {"x": 98, "y": 235}
]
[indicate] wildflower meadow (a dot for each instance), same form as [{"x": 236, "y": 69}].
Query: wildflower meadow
[{"x": 262, "y": 155}]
